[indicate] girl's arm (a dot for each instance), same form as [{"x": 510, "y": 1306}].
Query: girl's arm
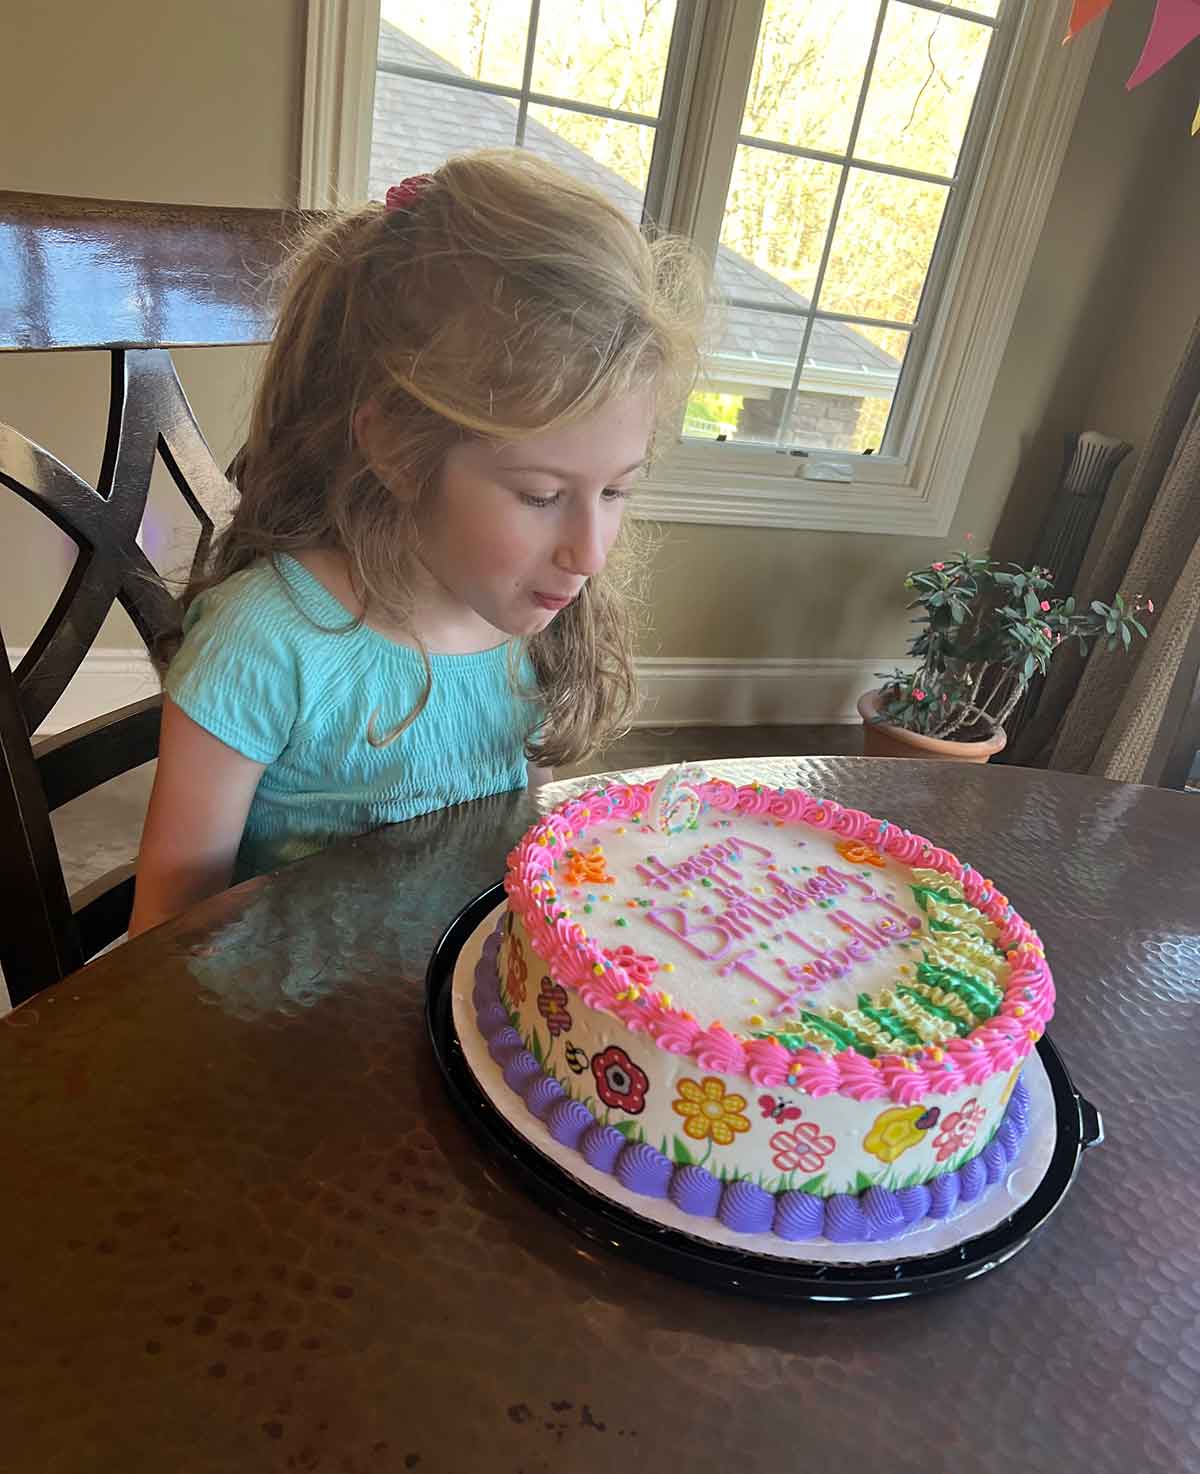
[{"x": 198, "y": 807}]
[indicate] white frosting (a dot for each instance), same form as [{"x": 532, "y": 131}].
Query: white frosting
[{"x": 703, "y": 901}]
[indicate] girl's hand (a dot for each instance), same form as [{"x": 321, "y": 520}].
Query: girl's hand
[{"x": 198, "y": 807}]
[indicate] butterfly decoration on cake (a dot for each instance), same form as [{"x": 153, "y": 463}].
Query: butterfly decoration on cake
[{"x": 776, "y": 1110}]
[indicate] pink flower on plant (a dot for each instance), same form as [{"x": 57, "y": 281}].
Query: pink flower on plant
[
  {"x": 958, "y": 1130},
  {"x": 1150, "y": 605},
  {"x": 1045, "y": 606},
  {"x": 918, "y": 696},
  {"x": 1046, "y": 630},
  {"x": 937, "y": 567},
  {"x": 803, "y": 1149}
]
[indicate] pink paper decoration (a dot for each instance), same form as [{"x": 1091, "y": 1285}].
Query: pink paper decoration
[{"x": 1175, "y": 23}]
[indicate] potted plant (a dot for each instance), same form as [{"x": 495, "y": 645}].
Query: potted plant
[{"x": 988, "y": 629}]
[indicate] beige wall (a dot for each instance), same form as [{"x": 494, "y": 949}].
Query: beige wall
[
  {"x": 148, "y": 100},
  {"x": 181, "y": 102}
]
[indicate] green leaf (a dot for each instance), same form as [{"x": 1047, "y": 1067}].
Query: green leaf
[
  {"x": 1141, "y": 628},
  {"x": 1027, "y": 668},
  {"x": 682, "y": 1156},
  {"x": 1069, "y": 605},
  {"x": 1098, "y": 608},
  {"x": 1031, "y": 604},
  {"x": 862, "y": 1182},
  {"x": 535, "y": 1047},
  {"x": 628, "y": 1129},
  {"x": 1126, "y": 637},
  {"x": 813, "y": 1184}
]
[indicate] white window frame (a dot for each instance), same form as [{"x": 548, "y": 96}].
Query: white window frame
[{"x": 913, "y": 490}]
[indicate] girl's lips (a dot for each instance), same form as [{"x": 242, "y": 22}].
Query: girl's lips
[{"x": 548, "y": 601}]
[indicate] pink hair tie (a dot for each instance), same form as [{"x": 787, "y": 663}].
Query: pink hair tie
[{"x": 401, "y": 196}]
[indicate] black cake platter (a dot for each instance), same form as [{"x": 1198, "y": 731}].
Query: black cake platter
[{"x": 719, "y": 1266}]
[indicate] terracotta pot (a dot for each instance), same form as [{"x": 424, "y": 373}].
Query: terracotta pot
[{"x": 882, "y": 739}]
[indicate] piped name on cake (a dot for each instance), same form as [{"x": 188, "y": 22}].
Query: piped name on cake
[{"x": 716, "y": 937}]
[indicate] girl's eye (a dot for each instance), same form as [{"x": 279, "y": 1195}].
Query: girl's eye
[{"x": 609, "y": 494}]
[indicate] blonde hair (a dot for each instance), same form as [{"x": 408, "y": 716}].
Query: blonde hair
[{"x": 506, "y": 299}]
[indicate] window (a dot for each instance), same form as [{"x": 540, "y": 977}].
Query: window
[{"x": 853, "y": 168}]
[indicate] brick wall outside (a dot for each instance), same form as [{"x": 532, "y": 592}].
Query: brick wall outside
[{"x": 826, "y": 420}]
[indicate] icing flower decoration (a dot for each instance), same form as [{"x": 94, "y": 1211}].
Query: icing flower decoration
[
  {"x": 619, "y": 1082},
  {"x": 640, "y": 967},
  {"x": 855, "y": 852},
  {"x": 518, "y": 972},
  {"x": 708, "y": 1111},
  {"x": 897, "y": 1129},
  {"x": 958, "y": 1130},
  {"x": 803, "y": 1149},
  {"x": 552, "y": 1005},
  {"x": 589, "y": 869}
]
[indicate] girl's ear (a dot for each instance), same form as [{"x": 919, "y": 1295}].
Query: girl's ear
[{"x": 371, "y": 437}]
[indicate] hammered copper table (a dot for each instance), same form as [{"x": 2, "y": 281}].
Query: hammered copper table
[{"x": 244, "y": 1229}]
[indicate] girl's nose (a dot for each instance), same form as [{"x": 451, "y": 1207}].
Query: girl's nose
[{"x": 584, "y": 548}]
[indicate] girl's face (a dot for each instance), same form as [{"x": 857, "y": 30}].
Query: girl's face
[{"x": 514, "y": 532}]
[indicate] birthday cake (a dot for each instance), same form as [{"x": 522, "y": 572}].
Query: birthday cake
[{"x": 778, "y": 1013}]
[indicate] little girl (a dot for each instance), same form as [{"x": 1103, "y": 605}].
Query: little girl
[{"x": 415, "y": 596}]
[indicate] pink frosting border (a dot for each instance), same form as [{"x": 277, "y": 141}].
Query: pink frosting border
[{"x": 581, "y": 964}]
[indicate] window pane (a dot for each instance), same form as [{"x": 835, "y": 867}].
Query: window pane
[
  {"x": 862, "y": 362},
  {"x": 978, "y": 7},
  {"x": 922, "y": 86},
  {"x": 618, "y": 59},
  {"x": 418, "y": 125},
  {"x": 485, "y": 39},
  {"x": 599, "y": 150},
  {"x": 752, "y": 367},
  {"x": 885, "y": 235},
  {"x": 808, "y": 70},
  {"x": 843, "y": 397},
  {"x": 777, "y": 215}
]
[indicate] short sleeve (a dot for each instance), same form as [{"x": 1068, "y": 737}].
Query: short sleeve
[{"x": 236, "y": 673}]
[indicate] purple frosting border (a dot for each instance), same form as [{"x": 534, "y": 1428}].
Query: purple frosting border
[{"x": 874, "y": 1215}]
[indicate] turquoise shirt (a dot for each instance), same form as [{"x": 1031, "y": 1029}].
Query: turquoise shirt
[{"x": 257, "y": 670}]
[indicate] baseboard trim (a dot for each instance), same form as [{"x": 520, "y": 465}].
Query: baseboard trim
[
  {"x": 744, "y": 693},
  {"x": 107, "y": 679},
  {"x": 676, "y": 692}
]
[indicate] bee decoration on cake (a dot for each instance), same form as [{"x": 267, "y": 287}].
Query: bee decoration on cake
[{"x": 577, "y": 1060}]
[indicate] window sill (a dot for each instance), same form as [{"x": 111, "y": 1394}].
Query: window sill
[{"x": 687, "y": 486}]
